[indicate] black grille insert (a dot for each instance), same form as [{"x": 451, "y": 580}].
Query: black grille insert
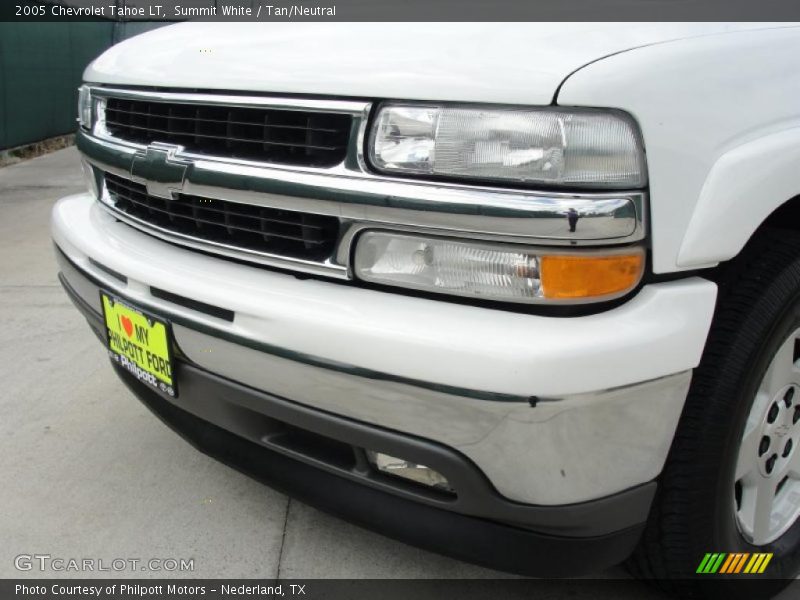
[
  {"x": 295, "y": 137},
  {"x": 271, "y": 230}
]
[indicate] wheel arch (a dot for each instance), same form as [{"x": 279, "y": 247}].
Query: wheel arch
[{"x": 752, "y": 186}]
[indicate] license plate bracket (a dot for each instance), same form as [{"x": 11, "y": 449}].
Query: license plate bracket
[{"x": 139, "y": 342}]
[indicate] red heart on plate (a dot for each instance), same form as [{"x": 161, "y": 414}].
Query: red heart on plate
[{"x": 127, "y": 325}]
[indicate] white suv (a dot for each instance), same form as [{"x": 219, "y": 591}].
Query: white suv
[{"x": 528, "y": 295}]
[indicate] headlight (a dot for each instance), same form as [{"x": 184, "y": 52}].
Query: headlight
[
  {"x": 496, "y": 271},
  {"x": 85, "y": 107},
  {"x": 581, "y": 147}
]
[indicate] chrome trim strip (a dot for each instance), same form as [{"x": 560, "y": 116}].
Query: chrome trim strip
[
  {"x": 607, "y": 217},
  {"x": 325, "y": 269},
  {"x": 332, "y": 106}
]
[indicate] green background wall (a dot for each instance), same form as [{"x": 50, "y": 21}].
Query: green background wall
[{"x": 41, "y": 65}]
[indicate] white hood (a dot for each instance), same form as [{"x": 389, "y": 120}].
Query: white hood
[{"x": 506, "y": 63}]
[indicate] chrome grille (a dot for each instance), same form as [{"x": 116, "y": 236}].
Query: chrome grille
[
  {"x": 295, "y": 137},
  {"x": 269, "y": 230}
]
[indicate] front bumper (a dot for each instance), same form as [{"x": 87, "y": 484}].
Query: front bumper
[
  {"x": 552, "y": 410},
  {"x": 319, "y": 459},
  {"x": 550, "y": 430}
]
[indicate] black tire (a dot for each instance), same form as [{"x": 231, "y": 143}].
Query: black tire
[{"x": 758, "y": 307}]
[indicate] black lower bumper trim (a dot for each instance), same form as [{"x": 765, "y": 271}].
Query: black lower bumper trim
[{"x": 474, "y": 540}]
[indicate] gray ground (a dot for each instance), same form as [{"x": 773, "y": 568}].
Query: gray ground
[{"x": 87, "y": 471}]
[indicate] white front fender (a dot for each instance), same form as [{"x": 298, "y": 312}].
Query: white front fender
[
  {"x": 720, "y": 118},
  {"x": 743, "y": 188}
]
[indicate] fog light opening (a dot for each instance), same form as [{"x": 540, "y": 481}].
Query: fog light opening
[{"x": 404, "y": 469}]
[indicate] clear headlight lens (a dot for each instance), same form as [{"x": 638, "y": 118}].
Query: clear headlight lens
[
  {"x": 85, "y": 107},
  {"x": 545, "y": 146},
  {"x": 491, "y": 271}
]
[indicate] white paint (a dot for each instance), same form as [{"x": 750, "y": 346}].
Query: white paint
[
  {"x": 743, "y": 187},
  {"x": 516, "y": 63}
]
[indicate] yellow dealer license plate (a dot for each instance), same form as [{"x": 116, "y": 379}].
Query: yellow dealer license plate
[{"x": 139, "y": 343}]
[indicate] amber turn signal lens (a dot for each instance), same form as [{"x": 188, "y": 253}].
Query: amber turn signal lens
[
  {"x": 590, "y": 277},
  {"x": 494, "y": 271}
]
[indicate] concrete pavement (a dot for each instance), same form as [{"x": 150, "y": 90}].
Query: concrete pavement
[{"x": 89, "y": 472}]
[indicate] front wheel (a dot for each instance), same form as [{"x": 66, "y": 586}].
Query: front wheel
[
  {"x": 767, "y": 472},
  {"x": 726, "y": 518}
]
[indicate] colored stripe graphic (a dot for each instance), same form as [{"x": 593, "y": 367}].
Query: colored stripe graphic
[
  {"x": 715, "y": 562},
  {"x": 703, "y": 563},
  {"x": 711, "y": 562},
  {"x": 767, "y": 558},
  {"x": 715, "y": 567},
  {"x": 727, "y": 564},
  {"x": 755, "y": 562},
  {"x": 708, "y": 564},
  {"x": 740, "y": 563},
  {"x": 734, "y": 563}
]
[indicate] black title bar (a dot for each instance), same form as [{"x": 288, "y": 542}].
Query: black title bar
[
  {"x": 351, "y": 589},
  {"x": 401, "y": 10}
]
